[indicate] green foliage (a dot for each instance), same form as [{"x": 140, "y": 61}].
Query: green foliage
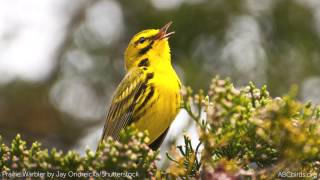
[
  {"x": 247, "y": 133},
  {"x": 244, "y": 133},
  {"x": 189, "y": 165},
  {"x": 131, "y": 155}
]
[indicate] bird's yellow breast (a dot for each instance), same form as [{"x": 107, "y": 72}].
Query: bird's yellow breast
[{"x": 166, "y": 106}]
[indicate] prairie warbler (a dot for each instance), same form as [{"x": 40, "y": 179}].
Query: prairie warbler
[{"x": 149, "y": 94}]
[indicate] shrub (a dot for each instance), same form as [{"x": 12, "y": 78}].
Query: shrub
[
  {"x": 132, "y": 157},
  {"x": 244, "y": 133}
]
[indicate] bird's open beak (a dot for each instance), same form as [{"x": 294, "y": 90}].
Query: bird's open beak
[{"x": 163, "y": 32}]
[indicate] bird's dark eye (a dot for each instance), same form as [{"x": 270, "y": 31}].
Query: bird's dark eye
[{"x": 141, "y": 40}]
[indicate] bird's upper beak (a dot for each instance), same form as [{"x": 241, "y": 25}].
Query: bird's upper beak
[{"x": 163, "y": 32}]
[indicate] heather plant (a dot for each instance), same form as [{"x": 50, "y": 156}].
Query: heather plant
[
  {"x": 247, "y": 133},
  {"x": 243, "y": 133},
  {"x": 131, "y": 156}
]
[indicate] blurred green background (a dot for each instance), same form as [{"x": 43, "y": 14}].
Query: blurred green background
[{"x": 61, "y": 60}]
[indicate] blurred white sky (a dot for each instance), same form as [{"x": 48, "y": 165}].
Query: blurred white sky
[{"x": 30, "y": 32}]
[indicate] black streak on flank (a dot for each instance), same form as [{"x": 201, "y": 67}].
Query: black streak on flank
[
  {"x": 141, "y": 90},
  {"x": 146, "y": 100},
  {"x": 144, "y": 62},
  {"x": 139, "y": 114},
  {"x": 143, "y": 86}
]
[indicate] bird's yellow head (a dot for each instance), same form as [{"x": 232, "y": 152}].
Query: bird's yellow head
[{"x": 148, "y": 43}]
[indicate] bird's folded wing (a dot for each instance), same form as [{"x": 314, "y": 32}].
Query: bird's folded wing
[{"x": 122, "y": 106}]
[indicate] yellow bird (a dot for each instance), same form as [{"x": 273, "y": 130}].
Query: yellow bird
[{"x": 149, "y": 94}]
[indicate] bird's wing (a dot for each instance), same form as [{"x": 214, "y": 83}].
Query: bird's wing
[{"x": 122, "y": 106}]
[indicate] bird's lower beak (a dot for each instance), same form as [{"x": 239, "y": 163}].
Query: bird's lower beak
[{"x": 163, "y": 32}]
